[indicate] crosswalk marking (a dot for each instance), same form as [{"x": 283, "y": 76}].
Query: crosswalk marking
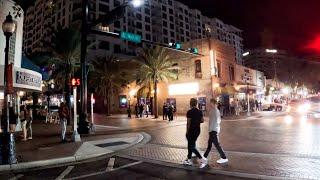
[
  {"x": 110, "y": 164},
  {"x": 16, "y": 177},
  {"x": 106, "y": 171},
  {"x": 65, "y": 172}
]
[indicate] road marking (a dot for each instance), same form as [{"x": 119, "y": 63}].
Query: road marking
[
  {"x": 102, "y": 126},
  {"x": 65, "y": 172},
  {"x": 18, "y": 176},
  {"x": 103, "y": 172},
  {"x": 110, "y": 164}
]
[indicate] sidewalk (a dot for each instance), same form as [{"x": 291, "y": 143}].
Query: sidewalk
[{"x": 45, "y": 147}]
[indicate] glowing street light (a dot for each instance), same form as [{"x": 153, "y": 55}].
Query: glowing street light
[
  {"x": 271, "y": 51},
  {"x": 245, "y": 54},
  {"x": 137, "y": 3}
]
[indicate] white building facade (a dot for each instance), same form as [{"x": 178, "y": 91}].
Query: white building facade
[
  {"x": 23, "y": 79},
  {"x": 158, "y": 21}
]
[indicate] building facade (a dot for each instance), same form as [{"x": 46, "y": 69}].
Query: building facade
[
  {"x": 212, "y": 73},
  {"x": 158, "y": 21},
  {"x": 23, "y": 79}
]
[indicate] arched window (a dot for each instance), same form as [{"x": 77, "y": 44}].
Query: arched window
[{"x": 198, "y": 72}]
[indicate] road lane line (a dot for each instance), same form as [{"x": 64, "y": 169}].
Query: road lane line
[
  {"x": 18, "y": 176},
  {"x": 103, "y": 172},
  {"x": 110, "y": 164},
  {"x": 125, "y": 166},
  {"x": 65, "y": 172}
]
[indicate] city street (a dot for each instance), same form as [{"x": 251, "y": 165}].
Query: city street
[{"x": 270, "y": 144}]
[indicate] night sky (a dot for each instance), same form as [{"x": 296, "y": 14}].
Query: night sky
[{"x": 293, "y": 25}]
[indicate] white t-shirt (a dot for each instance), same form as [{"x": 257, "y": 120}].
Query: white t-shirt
[{"x": 214, "y": 120}]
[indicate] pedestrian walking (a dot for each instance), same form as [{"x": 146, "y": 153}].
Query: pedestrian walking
[
  {"x": 29, "y": 118},
  {"x": 257, "y": 105},
  {"x": 64, "y": 115},
  {"x": 214, "y": 130},
  {"x": 164, "y": 111},
  {"x": 23, "y": 119},
  {"x": 194, "y": 119}
]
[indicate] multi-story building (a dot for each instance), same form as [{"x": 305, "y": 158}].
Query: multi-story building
[
  {"x": 267, "y": 62},
  {"x": 158, "y": 21}
]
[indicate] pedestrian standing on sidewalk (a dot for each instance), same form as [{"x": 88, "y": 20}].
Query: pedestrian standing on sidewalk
[
  {"x": 237, "y": 107},
  {"x": 170, "y": 112},
  {"x": 23, "y": 116},
  {"x": 136, "y": 109},
  {"x": 194, "y": 119},
  {"x": 164, "y": 111},
  {"x": 147, "y": 110},
  {"x": 63, "y": 114},
  {"x": 214, "y": 130},
  {"x": 29, "y": 118},
  {"x": 12, "y": 120},
  {"x": 141, "y": 110}
]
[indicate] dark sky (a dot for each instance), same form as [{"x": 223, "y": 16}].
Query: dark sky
[{"x": 293, "y": 25}]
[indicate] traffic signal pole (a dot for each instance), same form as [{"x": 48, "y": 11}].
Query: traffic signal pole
[{"x": 83, "y": 123}]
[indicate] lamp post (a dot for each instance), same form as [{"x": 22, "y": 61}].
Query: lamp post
[
  {"x": 8, "y": 154},
  {"x": 85, "y": 28}
]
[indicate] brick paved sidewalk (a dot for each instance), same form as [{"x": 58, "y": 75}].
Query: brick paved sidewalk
[{"x": 269, "y": 165}]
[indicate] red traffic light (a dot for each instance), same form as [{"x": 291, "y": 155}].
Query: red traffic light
[{"x": 75, "y": 82}]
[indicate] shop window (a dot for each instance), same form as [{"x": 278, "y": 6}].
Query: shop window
[{"x": 198, "y": 73}]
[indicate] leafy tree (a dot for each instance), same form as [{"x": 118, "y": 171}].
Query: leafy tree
[
  {"x": 108, "y": 76},
  {"x": 156, "y": 66}
]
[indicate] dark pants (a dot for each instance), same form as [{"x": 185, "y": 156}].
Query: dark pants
[
  {"x": 213, "y": 138},
  {"x": 170, "y": 115},
  {"x": 164, "y": 115},
  {"x": 192, "y": 138}
]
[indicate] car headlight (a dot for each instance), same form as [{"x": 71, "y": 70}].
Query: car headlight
[{"x": 303, "y": 108}]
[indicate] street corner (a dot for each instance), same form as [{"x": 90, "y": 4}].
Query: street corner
[{"x": 89, "y": 149}]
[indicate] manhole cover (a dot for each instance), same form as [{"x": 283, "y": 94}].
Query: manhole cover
[{"x": 117, "y": 143}]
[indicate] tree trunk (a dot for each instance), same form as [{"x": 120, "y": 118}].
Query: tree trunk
[
  {"x": 155, "y": 99},
  {"x": 107, "y": 97}
]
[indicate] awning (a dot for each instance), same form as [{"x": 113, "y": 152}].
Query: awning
[{"x": 28, "y": 64}]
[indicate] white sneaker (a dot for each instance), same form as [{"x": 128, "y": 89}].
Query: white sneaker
[
  {"x": 222, "y": 161},
  {"x": 187, "y": 162},
  {"x": 204, "y": 162},
  {"x": 193, "y": 155}
]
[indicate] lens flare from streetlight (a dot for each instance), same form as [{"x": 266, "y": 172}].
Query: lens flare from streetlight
[{"x": 137, "y": 3}]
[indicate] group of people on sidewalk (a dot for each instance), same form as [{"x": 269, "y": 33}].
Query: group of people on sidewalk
[
  {"x": 142, "y": 109},
  {"x": 194, "y": 120},
  {"x": 169, "y": 111}
]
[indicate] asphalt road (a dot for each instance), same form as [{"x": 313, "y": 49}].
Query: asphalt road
[{"x": 114, "y": 168}]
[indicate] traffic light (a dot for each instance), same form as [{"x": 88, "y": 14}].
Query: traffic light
[{"x": 175, "y": 45}]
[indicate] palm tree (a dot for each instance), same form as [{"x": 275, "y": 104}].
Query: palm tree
[
  {"x": 108, "y": 75},
  {"x": 156, "y": 66}
]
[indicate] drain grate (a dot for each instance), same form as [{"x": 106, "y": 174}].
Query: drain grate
[{"x": 117, "y": 143}]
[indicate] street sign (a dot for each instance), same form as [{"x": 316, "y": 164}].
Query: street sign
[{"x": 130, "y": 37}]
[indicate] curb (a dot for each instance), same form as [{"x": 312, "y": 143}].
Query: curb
[{"x": 66, "y": 160}]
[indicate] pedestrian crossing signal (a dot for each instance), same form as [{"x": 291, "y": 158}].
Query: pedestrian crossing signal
[{"x": 75, "y": 82}]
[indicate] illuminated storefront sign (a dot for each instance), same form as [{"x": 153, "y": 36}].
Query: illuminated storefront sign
[
  {"x": 28, "y": 79},
  {"x": 184, "y": 89}
]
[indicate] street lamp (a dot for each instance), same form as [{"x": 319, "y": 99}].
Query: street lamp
[{"x": 8, "y": 153}]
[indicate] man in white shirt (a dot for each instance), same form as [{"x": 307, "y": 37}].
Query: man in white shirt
[{"x": 214, "y": 129}]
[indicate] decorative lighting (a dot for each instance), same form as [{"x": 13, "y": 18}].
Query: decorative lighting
[
  {"x": 245, "y": 54},
  {"x": 271, "y": 51},
  {"x": 184, "y": 89}
]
